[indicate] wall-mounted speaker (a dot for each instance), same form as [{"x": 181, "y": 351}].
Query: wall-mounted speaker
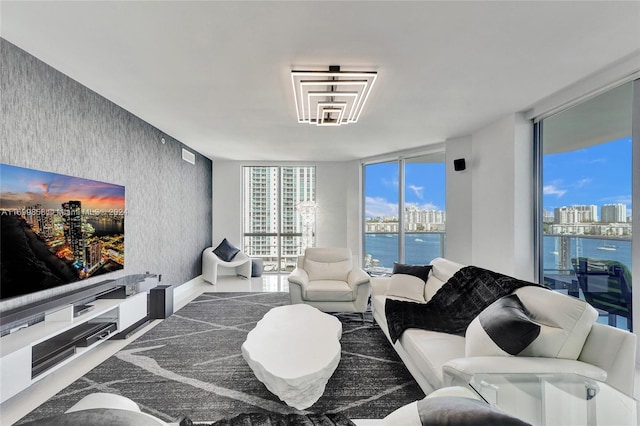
[{"x": 459, "y": 164}]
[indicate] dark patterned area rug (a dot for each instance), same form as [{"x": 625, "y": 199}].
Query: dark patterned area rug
[{"x": 191, "y": 365}]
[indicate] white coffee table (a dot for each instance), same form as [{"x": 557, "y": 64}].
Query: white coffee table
[{"x": 294, "y": 350}]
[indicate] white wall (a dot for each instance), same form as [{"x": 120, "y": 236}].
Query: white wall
[
  {"x": 337, "y": 196},
  {"x": 459, "y": 201},
  {"x": 502, "y": 202}
]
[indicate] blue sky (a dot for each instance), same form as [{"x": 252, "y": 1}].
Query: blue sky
[
  {"x": 600, "y": 174},
  {"x": 424, "y": 187}
]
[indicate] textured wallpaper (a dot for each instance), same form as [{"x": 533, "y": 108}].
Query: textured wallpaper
[{"x": 51, "y": 122}]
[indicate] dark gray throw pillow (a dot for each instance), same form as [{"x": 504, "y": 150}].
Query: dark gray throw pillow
[
  {"x": 461, "y": 411},
  {"x": 507, "y": 322},
  {"x": 420, "y": 271},
  {"x": 226, "y": 251}
]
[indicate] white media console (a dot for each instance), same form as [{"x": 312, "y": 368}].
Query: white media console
[{"x": 31, "y": 353}]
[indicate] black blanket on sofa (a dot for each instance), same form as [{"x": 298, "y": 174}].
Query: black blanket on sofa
[{"x": 454, "y": 306}]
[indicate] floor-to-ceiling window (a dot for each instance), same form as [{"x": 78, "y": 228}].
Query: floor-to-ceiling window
[
  {"x": 585, "y": 248},
  {"x": 404, "y": 217},
  {"x": 279, "y": 214}
]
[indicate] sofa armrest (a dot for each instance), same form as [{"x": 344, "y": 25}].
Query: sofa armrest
[
  {"x": 357, "y": 277},
  {"x": 613, "y": 350},
  {"x": 379, "y": 285},
  {"x": 458, "y": 372},
  {"x": 299, "y": 276},
  {"x": 298, "y": 281}
]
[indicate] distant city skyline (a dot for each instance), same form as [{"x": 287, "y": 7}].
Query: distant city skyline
[
  {"x": 595, "y": 175},
  {"x": 424, "y": 183}
]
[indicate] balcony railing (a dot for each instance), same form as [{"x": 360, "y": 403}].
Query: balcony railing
[{"x": 593, "y": 268}]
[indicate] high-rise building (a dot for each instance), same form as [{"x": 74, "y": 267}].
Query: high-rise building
[
  {"x": 614, "y": 213},
  {"x": 575, "y": 214},
  {"x": 421, "y": 220},
  {"x": 93, "y": 253},
  {"x": 74, "y": 237},
  {"x": 272, "y": 195}
]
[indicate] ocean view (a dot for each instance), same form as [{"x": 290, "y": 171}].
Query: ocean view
[
  {"x": 594, "y": 248},
  {"x": 421, "y": 248}
]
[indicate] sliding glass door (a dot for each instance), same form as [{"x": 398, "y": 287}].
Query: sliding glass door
[
  {"x": 586, "y": 171},
  {"x": 404, "y": 217}
]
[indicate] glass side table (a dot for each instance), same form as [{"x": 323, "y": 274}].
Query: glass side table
[{"x": 557, "y": 399}]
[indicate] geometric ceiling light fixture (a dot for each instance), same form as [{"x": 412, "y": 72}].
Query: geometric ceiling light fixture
[{"x": 331, "y": 98}]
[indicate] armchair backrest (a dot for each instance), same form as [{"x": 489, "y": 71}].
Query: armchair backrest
[{"x": 326, "y": 263}]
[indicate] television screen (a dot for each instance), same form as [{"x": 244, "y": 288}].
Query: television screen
[{"x": 57, "y": 229}]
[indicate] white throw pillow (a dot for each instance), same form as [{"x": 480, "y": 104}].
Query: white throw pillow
[
  {"x": 564, "y": 321},
  {"x": 407, "y": 287}
]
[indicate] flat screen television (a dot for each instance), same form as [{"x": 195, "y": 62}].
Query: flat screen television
[{"x": 57, "y": 229}]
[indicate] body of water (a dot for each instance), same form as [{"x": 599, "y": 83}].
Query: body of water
[
  {"x": 593, "y": 248},
  {"x": 420, "y": 248},
  {"x": 104, "y": 227}
]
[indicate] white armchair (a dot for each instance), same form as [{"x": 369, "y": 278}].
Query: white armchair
[
  {"x": 212, "y": 265},
  {"x": 327, "y": 279}
]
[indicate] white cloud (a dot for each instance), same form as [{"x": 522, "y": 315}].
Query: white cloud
[
  {"x": 417, "y": 190},
  {"x": 623, "y": 199},
  {"x": 583, "y": 182},
  {"x": 379, "y": 207},
  {"x": 429, "y": 206},
  {"x": 552, "y": 190}
]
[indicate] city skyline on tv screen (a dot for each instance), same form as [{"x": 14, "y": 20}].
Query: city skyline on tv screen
[{"x": 57, "y": 229}]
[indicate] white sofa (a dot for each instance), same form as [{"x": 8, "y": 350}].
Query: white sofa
[{"x": 438, "y": 359}]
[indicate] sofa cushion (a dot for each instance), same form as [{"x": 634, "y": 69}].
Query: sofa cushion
[
  {"x": 441, "y": 271},
  {"x": 420, "y": 271},
  {"x": 406, "y": 287},
  {"x": 565, "y": 322},
  {"x": 329, "y": 291},
  {"x": 430, "y": 350},
  {"x": 327, "y": 270},
  {"x": 226, "y": 251},
  {"x": 503, "y": 328}
]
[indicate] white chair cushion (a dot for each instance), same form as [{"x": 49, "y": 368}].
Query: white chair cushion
[
  {"x": 329, "y": 291},
  {"x": 327, "y": 270},
  {"x": 407, "y": 287}
]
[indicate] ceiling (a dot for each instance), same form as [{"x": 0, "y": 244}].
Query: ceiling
[{"x": 216, "y": 74}]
